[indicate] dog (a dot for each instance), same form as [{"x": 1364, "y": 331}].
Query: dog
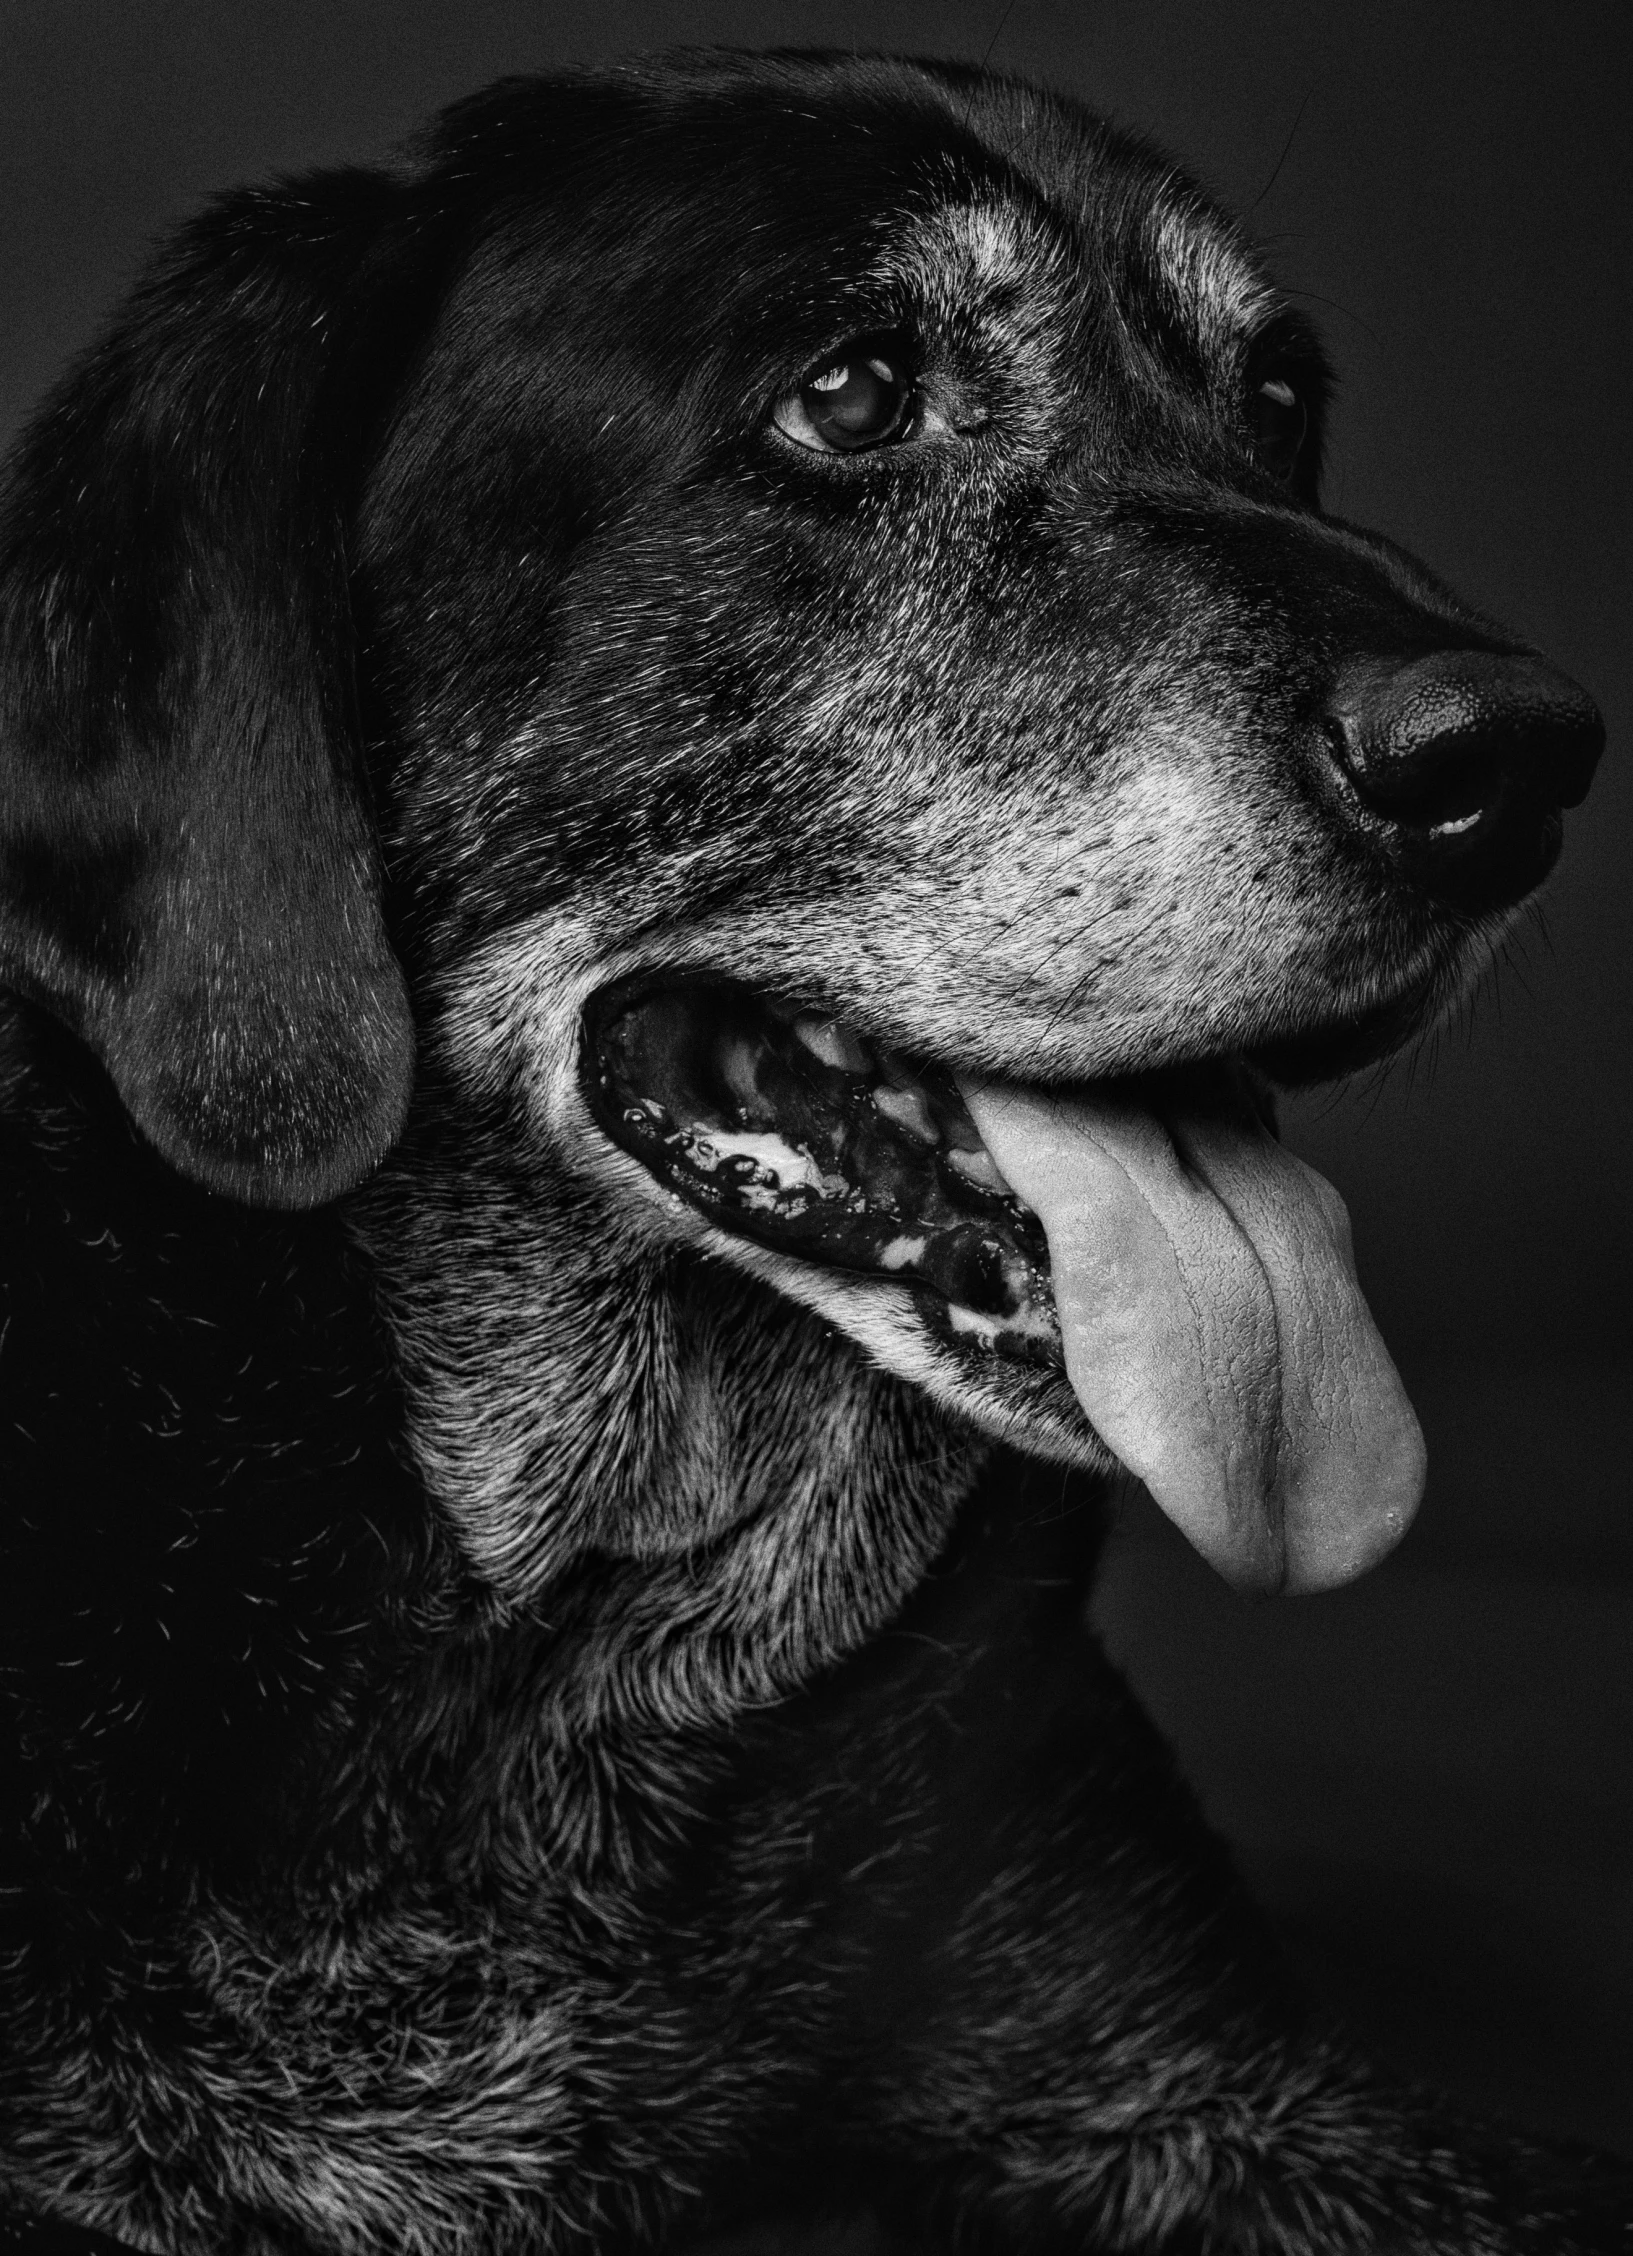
[{"x": 678, "y": 776}]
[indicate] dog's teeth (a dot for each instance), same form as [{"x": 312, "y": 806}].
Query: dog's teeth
[
  {"x": 978, "y": 1167},
  {"x": 739, "y": 1061},
  {"x": 832, "y": 1042},
  {"x": 958, "y": 1128},
  {"x": 909, "y": 1109}
]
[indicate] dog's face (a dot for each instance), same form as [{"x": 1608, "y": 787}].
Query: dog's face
[
  {"x": 885, "y": 597},
  {"x": 847, "y": 624}
]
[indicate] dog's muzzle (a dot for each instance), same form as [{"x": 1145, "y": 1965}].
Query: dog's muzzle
[{"x": 1463, "y": 761}]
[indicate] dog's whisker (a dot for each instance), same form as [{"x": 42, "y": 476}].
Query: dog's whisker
[
  {"x": 1033, "y": 972},
  {"x": 1286, "y": 150},
  {"x": 1314, "y": 297},
  {"x": 991, "y": 45}
]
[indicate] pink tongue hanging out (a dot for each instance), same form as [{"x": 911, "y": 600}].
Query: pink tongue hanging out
[{"x": 1215, "y": 1333}]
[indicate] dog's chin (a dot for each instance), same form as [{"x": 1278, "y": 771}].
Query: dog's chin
[{"x": 1129, "y": 1272}]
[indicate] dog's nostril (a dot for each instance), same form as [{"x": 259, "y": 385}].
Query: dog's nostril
[
  {"x": 1469, "y": 755},
  {"x": 1437, "y": 740}
]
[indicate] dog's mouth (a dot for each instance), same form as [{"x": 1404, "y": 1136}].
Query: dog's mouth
[
  {"x": 786, "y": 1127},
  {"x": 1150, "y": 1239}
]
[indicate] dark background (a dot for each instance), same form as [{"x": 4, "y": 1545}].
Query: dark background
[{"x": 1428, "y": 1777}]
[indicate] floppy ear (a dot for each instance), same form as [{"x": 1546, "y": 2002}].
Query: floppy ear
[{"x": 188, "y": 869}]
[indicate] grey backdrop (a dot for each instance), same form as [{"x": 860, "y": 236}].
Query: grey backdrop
[{"x": 1428, "y": 1776}]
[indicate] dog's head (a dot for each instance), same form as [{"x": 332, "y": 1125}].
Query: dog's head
[{"x": 794, "y": 591}]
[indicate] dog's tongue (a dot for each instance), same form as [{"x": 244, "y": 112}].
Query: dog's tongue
[{"x": 1214, "y": 1330}]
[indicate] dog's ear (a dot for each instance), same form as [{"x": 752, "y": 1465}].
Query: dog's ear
[{"x": 188, "y": 869}]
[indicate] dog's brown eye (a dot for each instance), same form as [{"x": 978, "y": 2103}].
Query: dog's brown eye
[
  {"x": 861, "y": 399},
  {"x": 1278, "y": 419}
]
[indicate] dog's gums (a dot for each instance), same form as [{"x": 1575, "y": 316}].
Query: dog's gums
[{"x": 782, "y": 1126}]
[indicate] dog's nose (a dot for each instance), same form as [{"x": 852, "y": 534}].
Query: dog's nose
[{"x": 1469, "y": 755}]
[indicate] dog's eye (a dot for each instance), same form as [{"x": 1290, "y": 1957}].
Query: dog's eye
[
  {"x": 860, "y": 399},
  {"x": 1278, "y": 420}
]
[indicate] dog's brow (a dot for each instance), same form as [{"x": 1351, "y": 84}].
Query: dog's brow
[
  {"x": 973, "y": 250},
  {"x": 1210, "y": 274}
]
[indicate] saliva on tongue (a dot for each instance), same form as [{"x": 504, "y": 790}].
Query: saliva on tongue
[{"x": 1214, "y": 1330}]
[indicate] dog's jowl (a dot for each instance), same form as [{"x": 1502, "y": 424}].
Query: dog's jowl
[{"x": 675, "y": 781}]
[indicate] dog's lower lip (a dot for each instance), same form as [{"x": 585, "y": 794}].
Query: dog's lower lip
[{"x": 1349, "y": 1040}]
